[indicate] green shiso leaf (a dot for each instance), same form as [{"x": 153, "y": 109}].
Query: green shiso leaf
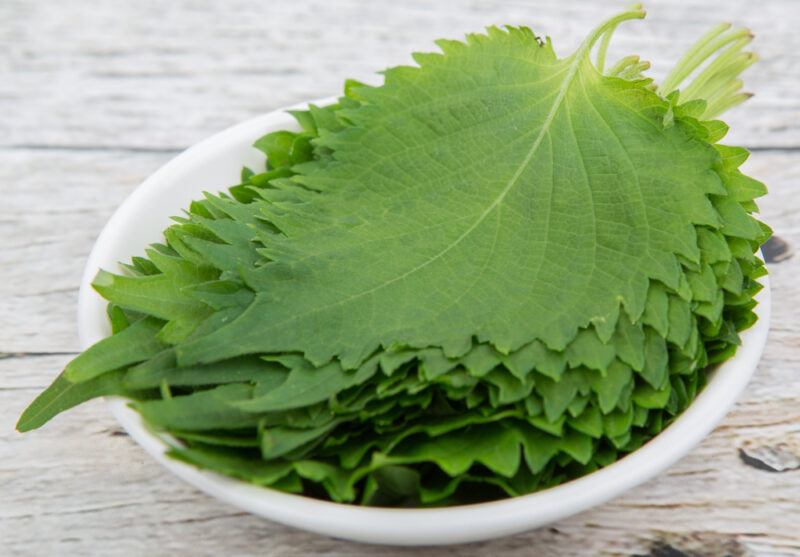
[
  {"x": 64, "y": 394},
  {"x": 498, "y": 271},
  {"x": 451, "y": 248},
  {"x": 136, "y": 343}
]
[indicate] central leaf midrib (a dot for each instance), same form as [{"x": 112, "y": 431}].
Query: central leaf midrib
[{"x": 572, "y": 70}]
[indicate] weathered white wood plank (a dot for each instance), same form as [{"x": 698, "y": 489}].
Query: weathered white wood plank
[
  {"x": 54, "y": 205},
  {"x": 166, "y": 74},
  {"x": 95, "y": 96},
  {"x": 79, "y": 486}
]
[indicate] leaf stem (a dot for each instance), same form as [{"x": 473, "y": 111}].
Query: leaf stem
[
  {"x": 718, "y": 82},
  {"x": 634, "y": 71},
  {"x": 727, "y": 66},
  {"x": 690, "y": 60},
  {"x": 721, "y": 105},
  {"x": 605, "y": 30},
  {"x": 709, "y": 44},
  {"x": 603, "y": 48},
  {"x": 722, "y": 90},
  {"x": 622, "y": 64}
]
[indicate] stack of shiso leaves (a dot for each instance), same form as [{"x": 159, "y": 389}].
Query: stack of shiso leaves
[{"x": 498, "y": 271}]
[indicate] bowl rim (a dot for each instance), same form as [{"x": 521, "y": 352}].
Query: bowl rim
[{"x": 417, "y": 526}]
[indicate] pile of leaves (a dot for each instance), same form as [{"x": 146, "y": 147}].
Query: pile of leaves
[{"x": 495, "y": 272}]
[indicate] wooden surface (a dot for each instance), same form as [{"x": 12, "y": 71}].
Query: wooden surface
[{"x": 94, "y": 96}]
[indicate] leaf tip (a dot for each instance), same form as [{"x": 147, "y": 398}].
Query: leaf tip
[
  {"x": 103, "y": 279},
  {"x": 23, "y": 425}
]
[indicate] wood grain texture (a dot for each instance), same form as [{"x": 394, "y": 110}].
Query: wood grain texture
[
  {"x": 94, "y": 96},
  {"x": 163, "y": 75}
]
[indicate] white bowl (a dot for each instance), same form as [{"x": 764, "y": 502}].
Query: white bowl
[{"x": 214, "y": 164}]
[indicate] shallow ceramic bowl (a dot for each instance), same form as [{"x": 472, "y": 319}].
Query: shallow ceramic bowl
[{"x": 214, "y": 164}]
